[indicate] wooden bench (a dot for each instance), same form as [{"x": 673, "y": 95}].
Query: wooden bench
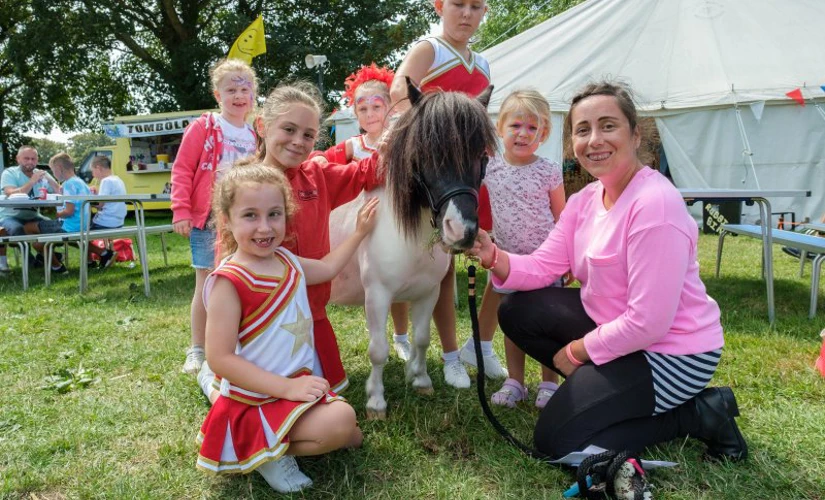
[
  {"x": 804, "y": 242},
  {"x": 50, "y": 240}
]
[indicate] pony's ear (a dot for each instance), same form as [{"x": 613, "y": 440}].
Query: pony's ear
[
  {"x": 484, "y": 97},
  {"x": 413, "y": 92}
]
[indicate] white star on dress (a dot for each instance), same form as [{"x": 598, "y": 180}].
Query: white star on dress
[{"x": 301, "y": 328}]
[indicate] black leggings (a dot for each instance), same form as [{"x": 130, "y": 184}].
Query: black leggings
[{"x": 608, "y": 405}]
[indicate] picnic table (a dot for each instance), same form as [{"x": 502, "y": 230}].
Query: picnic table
[
  {"x": 760, "y": 197},
  {"x": 22, "y": 242},
  {"x": 137, "y": 201}
]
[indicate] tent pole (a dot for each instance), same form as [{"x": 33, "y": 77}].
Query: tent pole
[
  {"x": 745, "y": 143},
  {"x": 819, "y": 108}
]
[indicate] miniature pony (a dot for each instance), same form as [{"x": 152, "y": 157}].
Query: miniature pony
[{"x": 434, "y": 157}]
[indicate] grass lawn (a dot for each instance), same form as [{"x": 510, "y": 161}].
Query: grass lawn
[{"x": 129, "y": 433}]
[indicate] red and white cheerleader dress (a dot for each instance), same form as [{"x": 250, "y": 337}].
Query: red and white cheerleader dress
[
  {"x": 450, "y": 72},
  {"x": 245, "y": 429}
]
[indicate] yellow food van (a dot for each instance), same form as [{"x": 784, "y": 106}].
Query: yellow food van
[{"x": 145, "y": 148}]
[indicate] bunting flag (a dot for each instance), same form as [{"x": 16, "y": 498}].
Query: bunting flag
[
  {"x": 757, "y": 108},
  {"x": 796, "y": 95},
  {"x": 250, "y": 43},
  {"x": 822, "y": 87}
]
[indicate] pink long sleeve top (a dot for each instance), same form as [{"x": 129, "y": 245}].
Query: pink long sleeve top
[{"x": 637, "y": 264}]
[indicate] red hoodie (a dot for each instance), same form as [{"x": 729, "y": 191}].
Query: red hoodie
[{"x": 318, "y": 191}]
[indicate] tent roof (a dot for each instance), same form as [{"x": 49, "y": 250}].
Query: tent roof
[{"x": 675, "y": 54}]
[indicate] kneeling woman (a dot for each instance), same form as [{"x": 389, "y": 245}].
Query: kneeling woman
[{"x": 641, "y": 339}]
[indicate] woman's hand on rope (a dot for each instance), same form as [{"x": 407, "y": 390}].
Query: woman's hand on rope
[{"x": 483, "y": 247}]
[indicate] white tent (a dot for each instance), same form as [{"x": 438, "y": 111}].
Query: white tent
[{"x": 714, "y": 74}]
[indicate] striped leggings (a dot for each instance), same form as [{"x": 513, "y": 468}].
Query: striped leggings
[{"x": 629, "y": 403}]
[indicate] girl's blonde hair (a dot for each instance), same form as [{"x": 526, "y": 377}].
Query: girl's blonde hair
[
  {"x": 226, "y": 190},
  {"x": 278, "y": 103},
  {"x": 527, "y": 101},
  {"x": 226, "y": 66}
]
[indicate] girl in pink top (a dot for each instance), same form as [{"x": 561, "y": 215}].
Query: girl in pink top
[
  {"x": 210, "y": 145},
  {"x": 640, "y": 341}
]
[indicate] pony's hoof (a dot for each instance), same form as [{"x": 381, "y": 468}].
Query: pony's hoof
[
  {"x": 424, "y": 391},
  {"x": 376, "y": 414}
]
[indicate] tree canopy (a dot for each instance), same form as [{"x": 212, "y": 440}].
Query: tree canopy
[
  {"x": 508, "y": 18},
  {"x": 75, "y": 63}
]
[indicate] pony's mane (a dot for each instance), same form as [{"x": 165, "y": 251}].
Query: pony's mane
[{"x": 444, "y": 132}]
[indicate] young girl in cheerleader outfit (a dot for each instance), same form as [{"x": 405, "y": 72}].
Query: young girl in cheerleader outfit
[
  {"x": 210, "y": 145},
  {"x": 447, "y": 63},
  {"x": 527, "y": 197},
  {"x": 260, "y": 337},
  {"x": 368, "y": 92},
  {"x": 288, "y": 126}
]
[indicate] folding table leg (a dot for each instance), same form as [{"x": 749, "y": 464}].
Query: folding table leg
[
  {"x": 719, "y": 246},
  {"x": 163, "y": 247},
  {"x": 817, "y": 266}
]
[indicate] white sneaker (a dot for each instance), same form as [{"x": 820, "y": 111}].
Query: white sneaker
[
  {"x": 456, "y": 375},
  {"x": 492, "y": 366},
  {"x": 402, "y": 348},
  {"x": 284, "y": 475},
  {"x": 194, "y": 359}
]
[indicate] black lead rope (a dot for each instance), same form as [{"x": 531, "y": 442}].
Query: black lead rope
[
  {"x": 482, "y": 397},
  {"x": 602, "y": 467}
]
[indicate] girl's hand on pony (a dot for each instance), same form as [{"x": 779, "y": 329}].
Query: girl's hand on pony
[
  {"x": 367, "y": 217},
  {"x": 568, "y": 279},
  {"x": 307, "y": 388},
  {"x": 482, "y": 247}
]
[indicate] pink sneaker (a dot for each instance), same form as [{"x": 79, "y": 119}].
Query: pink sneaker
[
  {"x": 545, "y": 392},
  {"x": 511, "y": 392}
]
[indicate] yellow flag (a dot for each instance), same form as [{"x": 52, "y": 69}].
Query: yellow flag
[{"x": 251, "y": 43}]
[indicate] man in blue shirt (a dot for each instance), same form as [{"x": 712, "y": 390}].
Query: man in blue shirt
[{"x": 25, "y": 178}]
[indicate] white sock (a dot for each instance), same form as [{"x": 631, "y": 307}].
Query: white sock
[
  {"x": 450, "y": 356},
  {"x": 205, "y": 379},
  {"x": 470, "y": 345},
  {"x": 401, "y": 338},
  {"x": 486, "y": 348}
]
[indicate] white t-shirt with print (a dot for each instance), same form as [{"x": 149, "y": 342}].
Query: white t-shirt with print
[
  {"x": 520, "y": 202},
  {"x": 238, "y": 142}
]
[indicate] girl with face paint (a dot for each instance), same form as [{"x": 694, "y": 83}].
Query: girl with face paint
[
  {"x": 210, "y": 145},
  {"x": 527, "y": 197},
  {"x": 368, "y": 92}
]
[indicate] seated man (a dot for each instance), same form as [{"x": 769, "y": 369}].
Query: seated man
[
  {"x": 68, "y": 218},
  {"x": 27, "y": 179}
]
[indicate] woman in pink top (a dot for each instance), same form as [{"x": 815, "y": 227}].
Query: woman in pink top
[{"x": 641, "y": 339}]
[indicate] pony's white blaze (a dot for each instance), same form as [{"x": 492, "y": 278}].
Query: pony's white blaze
[
  {"x": 389, "y": 268},
  {"x": 453, "y": 225}
]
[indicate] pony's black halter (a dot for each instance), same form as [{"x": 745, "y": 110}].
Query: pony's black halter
[{"x": 437, "y": 204}]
